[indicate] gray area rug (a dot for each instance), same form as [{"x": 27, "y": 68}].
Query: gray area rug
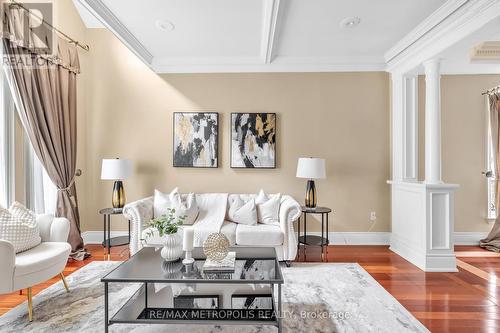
[{"x": 317, "y": 298}]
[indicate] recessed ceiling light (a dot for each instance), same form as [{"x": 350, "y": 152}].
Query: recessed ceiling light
[
  {"x": 350, "y": 22},
  {"x": 165, "y": 25}
]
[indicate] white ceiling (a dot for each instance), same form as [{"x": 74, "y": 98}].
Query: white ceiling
[
  {"x": 456, "y": 59},
  {"x": 311, "y": 27},
  {"x": 259, "y": 35},
  {"x": 215, "y": 28}
]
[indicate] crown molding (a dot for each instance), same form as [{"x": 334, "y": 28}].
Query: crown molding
[
  {"x": 424, "y": 27},
  {"x": 255, "y": 64},
  {"x": 452, "y": 22},
  {"x": 90, "y": 21},
  {"x": 110, "y": 21}
]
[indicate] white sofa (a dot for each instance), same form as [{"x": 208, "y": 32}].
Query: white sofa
[
  {"x": 39, "y": 264},
  {"x": 280, "y": 236}
]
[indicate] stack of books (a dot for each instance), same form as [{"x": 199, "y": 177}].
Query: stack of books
[{"x": 225, "y": 265}]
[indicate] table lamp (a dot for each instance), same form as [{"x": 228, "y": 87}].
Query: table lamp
[
  {"x": 117, "y": 170},
  {"x": 311, "y": 168}
]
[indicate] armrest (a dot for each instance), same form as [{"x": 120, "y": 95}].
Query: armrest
[
  {"x": 53, "y": 229},
  {"x": 289, "y": 212},
  {"x": 8, "y": 260},
  {"x": 59, "y": 230},
  {"x": 138, "y": 212}
]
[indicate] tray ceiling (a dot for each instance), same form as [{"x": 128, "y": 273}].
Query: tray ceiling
[{"x": 258, "y": 35}]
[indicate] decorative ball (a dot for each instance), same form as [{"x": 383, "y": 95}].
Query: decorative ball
[{"x": 216, "y": 246}]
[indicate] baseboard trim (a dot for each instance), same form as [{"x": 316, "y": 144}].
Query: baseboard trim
[
  {"x": 469, "y": 238},
  {"x": 336, "y": 238},
  {"x": 97, "y": 237},
  {"x": 356, "y": 238}
]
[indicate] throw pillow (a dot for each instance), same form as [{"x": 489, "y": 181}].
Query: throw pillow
[
  {"x": 268, "y": 208},
  {"x": 18, "y": 225},
  {"x": 243, "y": 212},
  {"x": 188, "y": 207}
]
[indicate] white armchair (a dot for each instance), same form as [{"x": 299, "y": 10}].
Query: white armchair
[{"x": 36, "y": 265}]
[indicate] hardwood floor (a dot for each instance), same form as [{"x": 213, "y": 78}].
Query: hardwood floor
[{"x": 467, "y": 301}]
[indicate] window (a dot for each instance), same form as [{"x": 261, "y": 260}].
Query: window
[
  {"x": 41, "y": 193},
  {"x": 35, "y": 189},
  {"x": 490, "y": 170},
  {"x": 6, "y": 147}
]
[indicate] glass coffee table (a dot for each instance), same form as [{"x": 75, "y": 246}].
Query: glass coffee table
[{"x": 254, "y": 266}]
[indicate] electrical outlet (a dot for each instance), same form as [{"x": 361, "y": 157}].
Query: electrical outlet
[{"x": 373, "y": 216}]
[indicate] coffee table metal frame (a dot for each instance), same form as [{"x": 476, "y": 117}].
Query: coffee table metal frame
[{"x": 132, "y": 271}]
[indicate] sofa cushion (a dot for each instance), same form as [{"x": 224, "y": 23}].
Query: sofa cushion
[
  {"x": 229, "y": 230},
  {"x": 242, "y": 212},
  {"x": 40, "y": 257},
  {"x": 183, "y": 205},
  {"x": 258, "y": 235},
  {"x": 18, "y": 225},
  {"x": 268, "y": 208}
]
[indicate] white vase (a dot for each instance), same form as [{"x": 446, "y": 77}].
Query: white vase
[{"x": 172, "y": 247}]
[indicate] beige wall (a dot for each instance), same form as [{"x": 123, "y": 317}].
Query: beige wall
[
  {"x": 343, "y": 117},
  {"x": 463, "y": 135},
  {"x": 126, "y": 110}
]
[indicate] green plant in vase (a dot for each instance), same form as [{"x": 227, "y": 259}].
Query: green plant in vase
[
  {"x": 167, "y": 224},
  {"x": 168, "y": 227}
]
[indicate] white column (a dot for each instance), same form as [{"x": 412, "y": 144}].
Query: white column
[
  {"x": 404, "y": 127},
  {"x": 410, "y": 128},
  {"x": 397, "y": 126},
  {"x": 432, "y": 122}
]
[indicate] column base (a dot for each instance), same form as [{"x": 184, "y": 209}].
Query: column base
[
  {"x": 426, "y": 262},
  {"x": 422, "y": 224}
]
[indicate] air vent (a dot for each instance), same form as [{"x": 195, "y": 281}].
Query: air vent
[{"x": 486, "y": 51}]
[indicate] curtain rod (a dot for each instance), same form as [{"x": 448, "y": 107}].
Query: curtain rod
[
  {"x": 492, "y": 91},
  {"x": 84, "y": 46}
]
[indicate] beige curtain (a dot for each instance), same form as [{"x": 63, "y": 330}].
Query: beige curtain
[
  {"x": 492, "y": 241},
  {"x": 44, "y": 88}
]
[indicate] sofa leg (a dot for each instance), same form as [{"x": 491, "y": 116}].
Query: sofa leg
[
  {"x": 20, "y": 291},
  {"x": 30, "y": 305},
  {"x": 64, "y": 282}
]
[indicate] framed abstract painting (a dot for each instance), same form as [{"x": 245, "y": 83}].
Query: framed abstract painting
[
  {"x": 196, "y": 139},
  {"x": 253, "y": 140}
]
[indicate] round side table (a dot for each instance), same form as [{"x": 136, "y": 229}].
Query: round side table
[
  {"x": 109, "y": 242},
  {"x": 323, "y": 241}
]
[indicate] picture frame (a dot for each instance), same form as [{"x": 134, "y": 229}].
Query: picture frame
[
  {"x": 195, "y": 142},
  {"x": 252, "y": 302},
  {"x": 253, "y": 140}
]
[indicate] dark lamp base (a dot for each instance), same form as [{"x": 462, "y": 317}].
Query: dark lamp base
[
  {"x": 118, "y": 199},
  {"x": 310, "y": 201}
]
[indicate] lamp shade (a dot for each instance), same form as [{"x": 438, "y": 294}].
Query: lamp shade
[
  {"x": 116, "y": 169},
  {"x": 311, "y": 168}
]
